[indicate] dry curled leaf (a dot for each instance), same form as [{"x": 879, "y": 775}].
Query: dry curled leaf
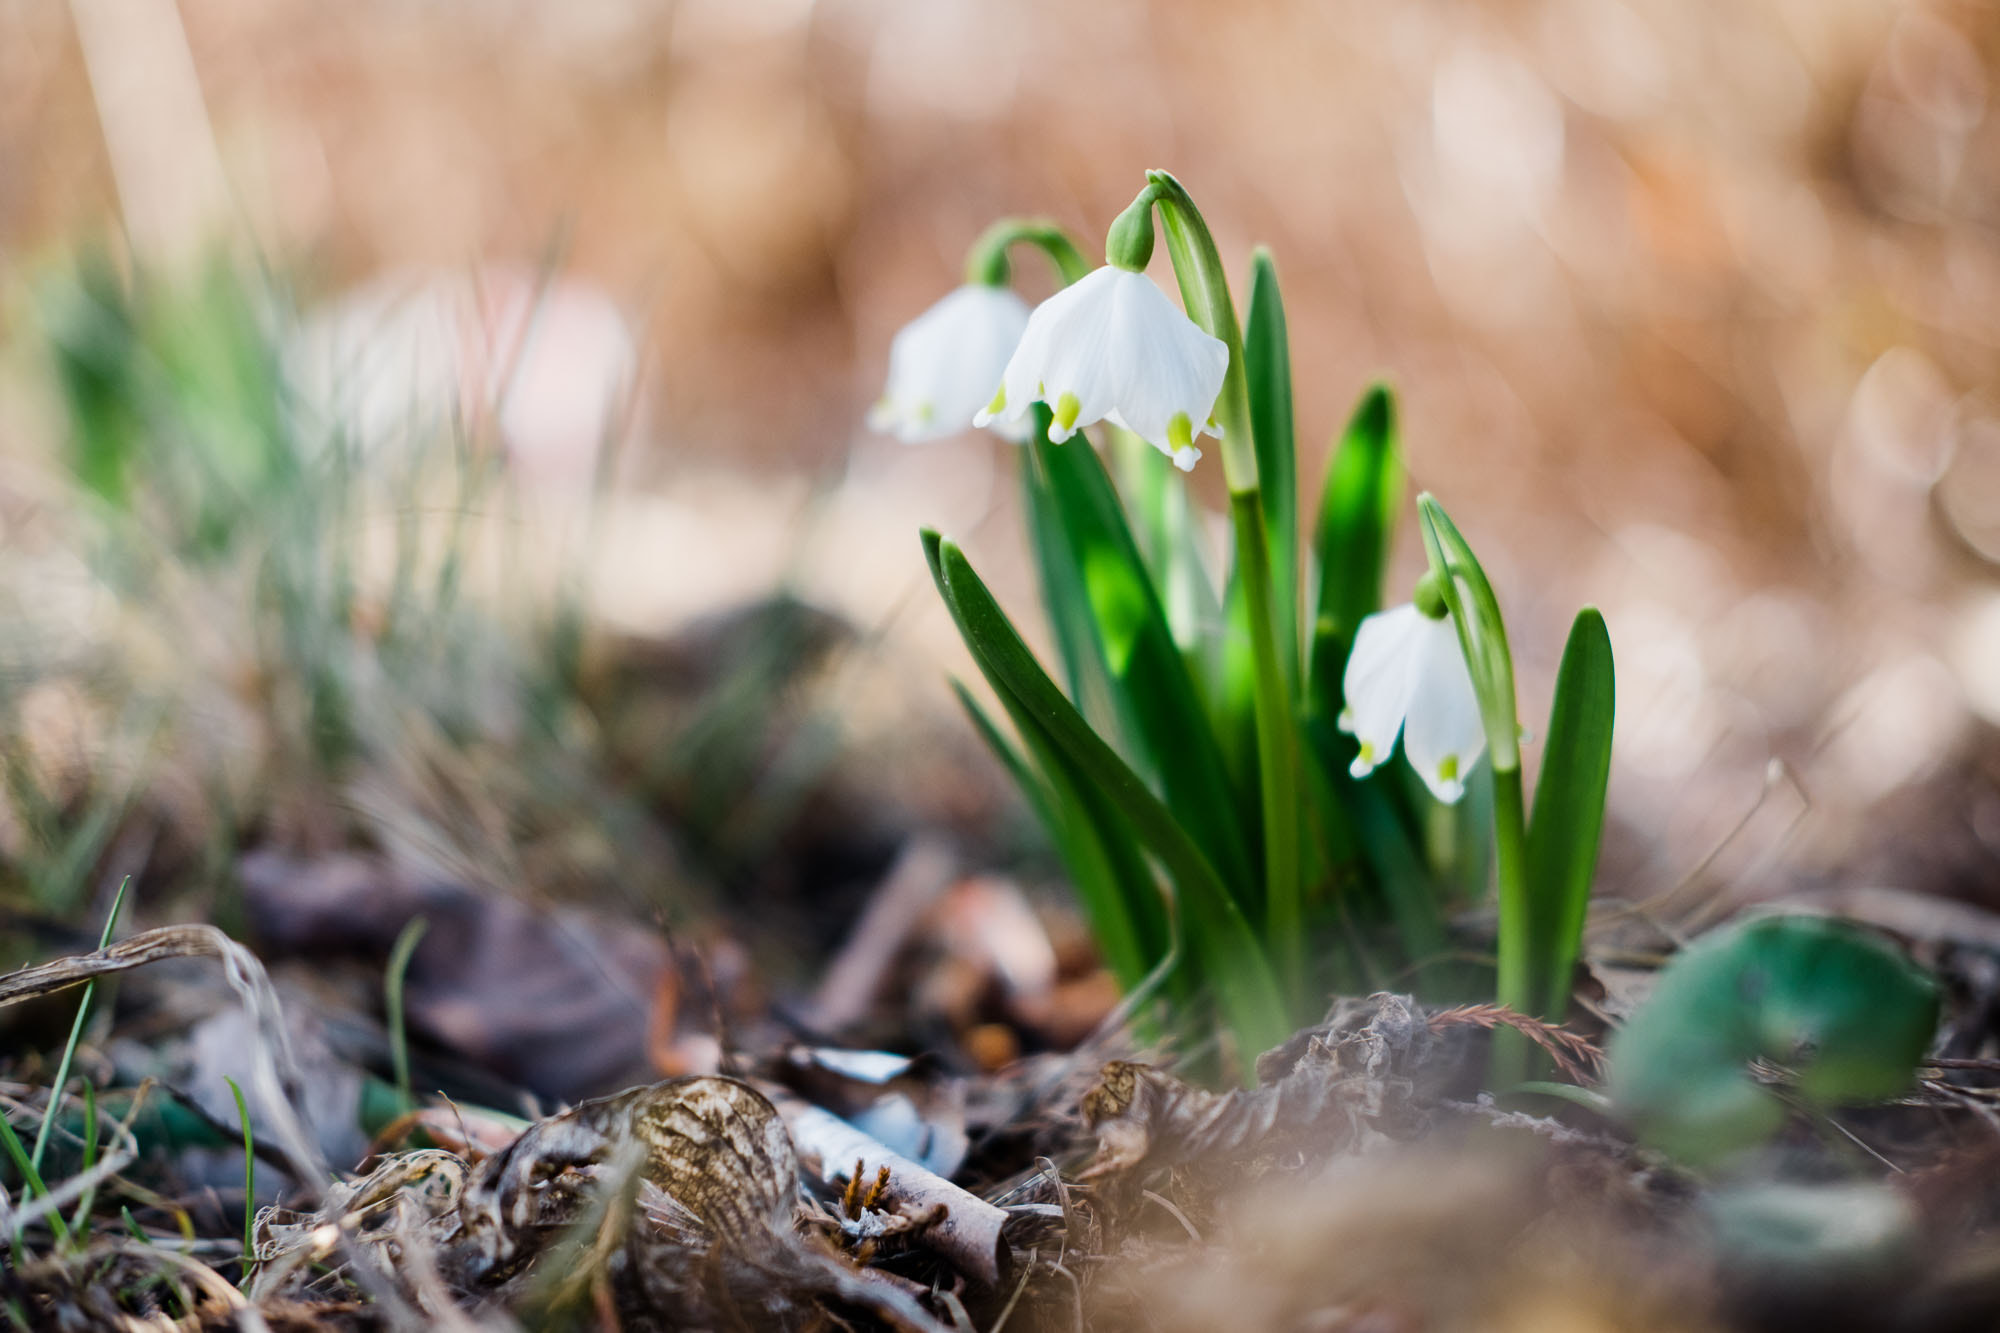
[{"x": 1358, "y": 1073}]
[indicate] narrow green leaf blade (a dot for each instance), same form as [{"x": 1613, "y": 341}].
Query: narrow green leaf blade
[
  {"x": 1218, "y": 934},
  {"x": 1117, "y": 890},
  {"x": 1356, "y": 524},
  {"x": 1267, "y": 365},
  {"x": 1567, "y": 821},
  {"x": 1065, "y": 596},
  {"x": 1158, "y": 708}
]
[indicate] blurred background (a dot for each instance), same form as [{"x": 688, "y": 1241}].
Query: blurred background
[{"x": 1693, "y": 307}]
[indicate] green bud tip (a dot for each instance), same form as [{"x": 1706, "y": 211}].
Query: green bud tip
[
  {"x": 1448, "y": 768},
  {"x": 1129, "y": 243},
  {"x": 999, "y": 403},
  {"x": 1429, "y": 596}
]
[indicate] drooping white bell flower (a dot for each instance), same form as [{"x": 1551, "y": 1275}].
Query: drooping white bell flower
[
  {"x": 943, "y": 363},
  {"x": 1112, "y": 347},
  {"x": 1406, "y": 674}
]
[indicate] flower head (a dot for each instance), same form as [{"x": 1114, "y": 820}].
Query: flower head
[
  {"x": 1407, "y": 674},
  {"x": 943, "y": 363},
  {"x": 1112, "y": 347}
]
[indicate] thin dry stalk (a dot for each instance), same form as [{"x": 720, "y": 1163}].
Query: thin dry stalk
[{"x": 1579, "y": 1059}]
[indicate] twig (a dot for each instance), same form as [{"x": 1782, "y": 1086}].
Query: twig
[
  {"x": 921, "y": 873},
  {"x": 1178, "y": 1216},
  {"x": 968, "y": 1235}
]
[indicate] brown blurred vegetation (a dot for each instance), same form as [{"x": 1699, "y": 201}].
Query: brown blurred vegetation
[{"x": 1694, "y": 306}]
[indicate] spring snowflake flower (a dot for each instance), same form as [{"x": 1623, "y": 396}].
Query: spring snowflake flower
[
  {"x": 1406, "y": 674},
  {"x": 1112, "y": 347},
  {"x": 942, "y": 364}
]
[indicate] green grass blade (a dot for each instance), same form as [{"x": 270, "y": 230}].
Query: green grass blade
[
  {"x": 76, "y": 1032},
  {"x": 1267, "y": 366},
  {"x": 392, "y": 987},
  {"x": 80, "y": 1219},
  {"x": 249, "y": 1174},
  {"x": 1219, "y": 935},
  {"x": 1357, "y": 521},
  {"x": 18, "y": 1154},
  {"x": 1568, "y": 816}
]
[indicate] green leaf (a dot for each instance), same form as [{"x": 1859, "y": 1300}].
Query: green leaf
[
  {"x": 1219, "y": 937},
  {"x": 1033, "y": 789},
  {"x": 1357, "y": 521},
  {"x": 1119, "y": 895},
  {"x": 1154, "y": 697},
  {"x": 1065, "y": 599},
  {"x": 1475, "y": 610},
  {"x": 1169, "y": 533},
  {"x": 1568, "y": 816},
  {"x": 1267, "y": 366},
  {"x": 1849, "y": 1015}
]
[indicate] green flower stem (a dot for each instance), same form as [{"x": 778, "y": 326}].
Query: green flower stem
[
  {"x": 1482, "y": 637},
  {"x": 1205, "y": 292},
  {"x": 1513, "y": 1058},
  {"x": 986, "y": 263}
]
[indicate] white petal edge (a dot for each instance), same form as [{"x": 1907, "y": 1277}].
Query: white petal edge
[
  {"x": 1443, "y": 736},
  {"x": 1378, "y": 683},
  {"x": 943, "y": 363}
]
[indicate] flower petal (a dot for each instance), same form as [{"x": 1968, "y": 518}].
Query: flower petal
[
  {"x": 1166, "y": 365},
  {"x": 1444, "y": 735},
  {"x": 1378, "y": 683},
  {"x": 1112, "y": 346},
  {"x": 944, "y": 363}
]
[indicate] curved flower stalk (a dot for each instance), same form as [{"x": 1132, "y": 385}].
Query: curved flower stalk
[
  {"x": 1112, "y": 347},
  {"x": 1407, "y": 675},
  {"x": 942, "y": 364}
]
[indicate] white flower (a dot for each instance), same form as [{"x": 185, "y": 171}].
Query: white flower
[
  {"x": 942, "y": 364},
  {"x": 1112, "y": 347},
  {"x": 1406, "y": 674}
]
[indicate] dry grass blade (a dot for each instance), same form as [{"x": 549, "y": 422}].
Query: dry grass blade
[
  {"x": 1579, "y": 1060},
  {"x": 275, "y": 1078}
]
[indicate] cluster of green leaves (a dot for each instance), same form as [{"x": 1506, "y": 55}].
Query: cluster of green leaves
[{"x": 1190, "y": 770}]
